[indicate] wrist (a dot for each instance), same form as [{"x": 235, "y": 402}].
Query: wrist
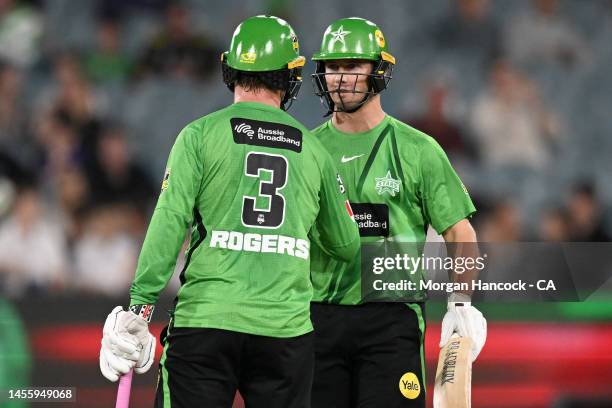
[
  {"x": 144, "y": 311},
  {"x": 459, "y": 299}
]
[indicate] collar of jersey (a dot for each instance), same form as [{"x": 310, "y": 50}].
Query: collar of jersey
[
  {"x": 374, "y": 131},
  {"x": 257, "y": 105}
]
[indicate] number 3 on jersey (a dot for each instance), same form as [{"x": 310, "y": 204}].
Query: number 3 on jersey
[{"x": 274, "y": 215}]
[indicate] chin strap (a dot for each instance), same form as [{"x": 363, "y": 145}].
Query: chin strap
[{"x": 332, "y": 109}]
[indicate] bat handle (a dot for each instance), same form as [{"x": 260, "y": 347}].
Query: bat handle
[{"x": 124, "y": 389}]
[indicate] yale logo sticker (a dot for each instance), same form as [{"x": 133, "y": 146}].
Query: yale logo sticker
[
  {"x": 166, "y": 180},
  {"x": 380, "y": 38},
  {"x": 294, "y": 43},
  {"x": 409, "y": 386},
  {"x": 248, "y": 57}
]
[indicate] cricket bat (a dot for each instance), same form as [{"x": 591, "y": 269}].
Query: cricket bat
[
  {"x": 123, "y": 391},
  {"x": 453, "y": 386}
]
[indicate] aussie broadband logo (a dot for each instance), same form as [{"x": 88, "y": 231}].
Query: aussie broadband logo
[
  {"x": 244, "y": 128},
  {"x": 372, "y": 219},
  {"x": 264, "y": 243},
  {"x": 269, "y": 134}
]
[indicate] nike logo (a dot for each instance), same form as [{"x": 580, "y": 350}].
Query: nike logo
[{"x": 348, "y": 159}]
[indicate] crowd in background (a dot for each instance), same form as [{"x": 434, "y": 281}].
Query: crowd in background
[{"x": 87, "y": 117}]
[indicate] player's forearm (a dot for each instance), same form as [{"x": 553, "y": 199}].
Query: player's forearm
[
  {"x": 158, "y": 256},
  {"x": 463, "y": 239}
]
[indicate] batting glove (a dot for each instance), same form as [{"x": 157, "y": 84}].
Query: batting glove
[
  {"x": 465, "y": 320},
  {"x": 126, "y": 344}
]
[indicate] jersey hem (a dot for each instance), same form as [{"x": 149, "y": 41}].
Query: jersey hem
[
  {"x": 267, "y": 333},
  {"x": 322, "y": 302}
]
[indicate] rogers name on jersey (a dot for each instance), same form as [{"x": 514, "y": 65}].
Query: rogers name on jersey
[{"x": 265, "y": 243}]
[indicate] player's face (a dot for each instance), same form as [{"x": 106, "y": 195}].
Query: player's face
[{"x": 347, "y": 80}]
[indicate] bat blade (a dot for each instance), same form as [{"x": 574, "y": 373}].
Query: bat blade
[
  {"x": 124, "y": 390},
  {"x": 453, "y": 386}
]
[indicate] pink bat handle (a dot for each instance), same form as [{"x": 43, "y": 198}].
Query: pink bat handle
[{"x": 123, "y": 392}]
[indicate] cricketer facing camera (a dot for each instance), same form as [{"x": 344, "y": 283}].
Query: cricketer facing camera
[
  {"x": 252, "y": 182},
  {"x": 400, "y": 180}
]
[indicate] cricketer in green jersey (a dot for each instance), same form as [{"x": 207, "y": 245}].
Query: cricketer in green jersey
[
  {"x": 252, "y": 182},
  {"x": 398, "y": 181}
]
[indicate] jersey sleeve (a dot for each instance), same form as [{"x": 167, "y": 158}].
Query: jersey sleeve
[
  {"x": 173, "y": 214},
  {"x": 445, "y": 198},
  {"x": 335, "y": 229}
]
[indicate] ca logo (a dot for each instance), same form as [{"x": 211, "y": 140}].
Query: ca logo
[{"x": 409, "y": 386}]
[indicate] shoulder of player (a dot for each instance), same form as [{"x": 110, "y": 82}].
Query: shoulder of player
[
  {"x": 198, "y": 126},
  {"x": 218, "y": 115},
  {"x": 408, "y": 137},
  {"x": 193, "y": 130},
  {"x": 321, "y": 129},
  {"x": 312, "y": 141},
  {"x": 291, "y": 121},
  {"x": 313, "y": 149},
  {"x": 210, "y": 119},
  {"x": 321, "y": 135}
]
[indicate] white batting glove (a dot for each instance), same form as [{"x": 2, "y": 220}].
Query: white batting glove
[
  {"x": 465, "y": 320},
  {"x": 126, "y": 344}
]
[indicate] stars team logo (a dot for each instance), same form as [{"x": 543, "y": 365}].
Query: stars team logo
[
  {"x": 339, "y": 35},
  {"x": 387, "y": 184}
]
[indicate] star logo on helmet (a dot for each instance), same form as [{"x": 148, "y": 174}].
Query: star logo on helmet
[{"x": 339, "y": 35}]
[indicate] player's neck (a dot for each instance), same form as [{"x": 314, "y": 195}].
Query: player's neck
[
  {"x": 365, "y": 118},
  {"x": 265, "y": 96}
]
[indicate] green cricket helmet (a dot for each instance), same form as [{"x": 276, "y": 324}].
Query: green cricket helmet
[
  {"x": 267, "y": 47},
  {"x": 353, "y": 38}
]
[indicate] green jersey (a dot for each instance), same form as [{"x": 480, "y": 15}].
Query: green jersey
[
  {"x": 398, "y": 181},
  {"x": 252, "y": 182}
]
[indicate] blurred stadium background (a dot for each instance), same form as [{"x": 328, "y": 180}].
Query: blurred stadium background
[{"x": 93, "y": 93}]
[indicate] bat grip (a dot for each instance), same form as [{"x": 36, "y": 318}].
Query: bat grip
[{"x": 124, "y": 389}]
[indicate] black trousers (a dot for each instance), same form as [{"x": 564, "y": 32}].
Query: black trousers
[
  {"x": 205, "y": 367},
  {"x": 368, "y": 356}
]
